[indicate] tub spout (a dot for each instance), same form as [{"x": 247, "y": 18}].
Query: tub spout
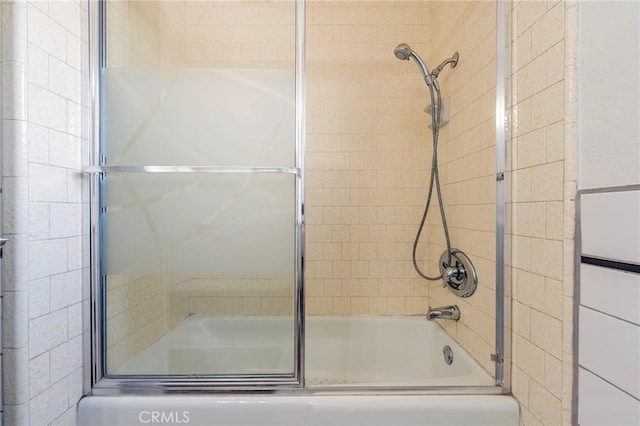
[{"x": 444, "y": 312}]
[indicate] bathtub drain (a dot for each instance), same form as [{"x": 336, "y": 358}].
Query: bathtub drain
[{"x": 448, "y": 354}]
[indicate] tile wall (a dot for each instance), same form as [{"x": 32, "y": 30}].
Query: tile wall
[
  {"x": 240, "y": 34},
  {"x": 367, "y": 157},
  {"x": 542, "y": 194},
  {"x": 240, "y": 296},
  {"x": 466, "y": 153},
  {"x": 145, "y": 33},
  {"x": 140, "y": 310},
  {"x": 43, "y": 274}
]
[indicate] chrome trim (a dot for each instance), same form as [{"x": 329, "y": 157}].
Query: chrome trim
[
  {"x": 453, "y": 60},
  {"x": 444, "y": 312},
  {"x": 113, "y": 387},
  {"x": 189, "y": 169},
  {"x": 623, "y": 188},
  {"x": 575, "y": 315},
  {"x": 164, "y": 384},
  {"x": 502, "y": 375},
  {"x": 96, "y": 59},
  {"x": 300, "y": 25}
]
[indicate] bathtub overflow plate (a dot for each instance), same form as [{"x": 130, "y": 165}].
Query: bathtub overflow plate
[
  {"x": 458, "y": 273},
  {"x": 448, "y": 354}
]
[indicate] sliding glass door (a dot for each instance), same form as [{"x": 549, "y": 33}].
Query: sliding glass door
[{"x": 199, "y": 176}]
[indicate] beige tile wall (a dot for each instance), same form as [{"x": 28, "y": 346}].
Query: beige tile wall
[
  {"x": 240, "y": 296},
  {"x": 368, "y": 150},
  {"x": 145, "y": 33},
  {"x": 543, "y": 191},
  {"x": 467, "y": 165},
  {"x": 367, "y": 157},
  {"x": 140, "y": 310},
  {"x": 240, "y": 34}
]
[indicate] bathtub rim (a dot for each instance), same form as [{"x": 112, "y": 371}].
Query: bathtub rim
[{"x": 319, "y": 405}]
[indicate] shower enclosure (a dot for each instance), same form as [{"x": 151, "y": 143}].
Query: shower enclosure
[
  {"x": 198, "y": 186},
  {"x": 256, "y": 183}
]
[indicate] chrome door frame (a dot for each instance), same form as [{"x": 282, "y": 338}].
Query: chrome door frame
[
  {"x": 100, "y": 384},
  {"x": 502, "y": 354}
]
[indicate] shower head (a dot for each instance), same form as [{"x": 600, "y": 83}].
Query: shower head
[{"x": 404, "y": 52}]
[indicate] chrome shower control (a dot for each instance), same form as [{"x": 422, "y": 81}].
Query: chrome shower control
[
  {"x": 455, "y": 274},
  {"x": 458, "y": 273}
]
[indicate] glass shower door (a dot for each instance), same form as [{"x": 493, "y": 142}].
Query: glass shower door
[{"x": 200, "y": 192}]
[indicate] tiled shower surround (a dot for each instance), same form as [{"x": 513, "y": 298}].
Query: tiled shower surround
[
  {"x": 543, "y": 160},
  {"x": 368, "y": 151},
  {"x": 367, "y": 157},
  {"x": 467, "y": 153},
  {"x": 140, "y": 310},
  {"x": 44, "y": 276}
]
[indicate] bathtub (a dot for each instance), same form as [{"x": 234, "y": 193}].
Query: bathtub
[{"x": 347, "y": 359}]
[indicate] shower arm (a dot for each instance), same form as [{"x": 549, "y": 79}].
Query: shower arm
[{"x": 452, "y": 60}]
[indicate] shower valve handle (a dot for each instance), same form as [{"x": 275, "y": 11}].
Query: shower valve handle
[
  {"x": 454, "y": 275},
  {"x": 458, "y": 273}
]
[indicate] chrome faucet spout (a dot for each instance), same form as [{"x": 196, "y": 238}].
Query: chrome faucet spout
[{"x": 444, "y": 312}]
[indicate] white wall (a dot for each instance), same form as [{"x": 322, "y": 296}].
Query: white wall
[
  {"x": 609, "y": 311},
  {"x": 609, "y": 155},
  {"x": 609, "y": 93}
]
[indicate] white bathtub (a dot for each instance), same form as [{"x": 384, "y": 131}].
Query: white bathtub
[
  {"x": 316, "y": 410},
  {"x": 340, "y": 351},
  {"x": 385, "y": 351},
  {"x": 354, "y": 352}
]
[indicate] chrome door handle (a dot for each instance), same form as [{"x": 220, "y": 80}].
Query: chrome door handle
[{"x": 3, "y": 241}]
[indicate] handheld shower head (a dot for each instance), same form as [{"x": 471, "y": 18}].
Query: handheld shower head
[{"x": 404, "y": 52}]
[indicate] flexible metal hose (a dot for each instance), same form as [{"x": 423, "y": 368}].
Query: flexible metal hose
[{"x": 436, "y": 103}]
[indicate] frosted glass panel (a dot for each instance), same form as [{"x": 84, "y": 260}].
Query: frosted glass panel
[
  {"x": 199, "y": 267},
  {"x": 193, "y": 117},
  {"x": 199, "y": 224},
  {"x": 199, "y": 273}
]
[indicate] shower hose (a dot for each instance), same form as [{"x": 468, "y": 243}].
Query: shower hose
[{"x": 436, "y": 99}]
